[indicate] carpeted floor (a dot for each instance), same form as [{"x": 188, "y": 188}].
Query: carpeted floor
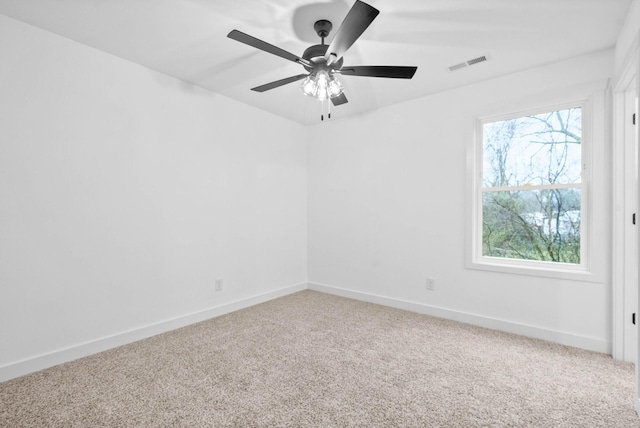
[{"x": 312, "y": 359}]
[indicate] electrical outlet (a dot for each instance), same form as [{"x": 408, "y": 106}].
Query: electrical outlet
[
  {"x": 431, "y": 284},
  {"x": 219, "y": 284}
]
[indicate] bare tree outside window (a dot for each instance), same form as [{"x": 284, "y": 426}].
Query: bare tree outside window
[{"x": 531, "y": 187}]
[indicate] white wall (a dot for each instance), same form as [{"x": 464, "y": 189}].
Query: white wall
[
  {"x": 388, "y": 207},
  {"x": 628, "y": 41},
  {"x": 124, "y": 193}
]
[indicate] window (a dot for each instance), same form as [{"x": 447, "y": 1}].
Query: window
[{"x": 530, "y": 190}]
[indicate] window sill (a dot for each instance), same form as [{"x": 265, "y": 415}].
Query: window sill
[{"x": 569, "y": 272}]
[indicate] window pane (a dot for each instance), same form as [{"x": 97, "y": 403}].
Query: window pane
[
  {"x": 532, "y": 225},
  {"x": 533, "y": 150}
]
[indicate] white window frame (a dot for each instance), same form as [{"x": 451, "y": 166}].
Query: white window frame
[{"x": 580, "y": 272}]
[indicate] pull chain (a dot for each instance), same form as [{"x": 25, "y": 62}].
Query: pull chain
[{"x": 328, "y": 109}]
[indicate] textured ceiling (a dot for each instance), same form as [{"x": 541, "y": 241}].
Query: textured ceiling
[{"x": 187, "y": 39}]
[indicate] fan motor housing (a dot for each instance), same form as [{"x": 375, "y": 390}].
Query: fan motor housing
[{"x": 315, "y": 55}]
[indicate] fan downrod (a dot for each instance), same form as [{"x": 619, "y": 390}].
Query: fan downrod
[{"x": 315, "y": 54}]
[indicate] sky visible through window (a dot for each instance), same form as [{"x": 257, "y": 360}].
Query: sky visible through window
[{"x": 533, "y": 150}]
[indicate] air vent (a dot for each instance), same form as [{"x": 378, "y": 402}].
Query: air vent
[
  {"x": 470, "y": 62},
  {"x": 477, "y": 60}
]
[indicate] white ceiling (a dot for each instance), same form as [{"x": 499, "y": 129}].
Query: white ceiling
[{"x": 187, "y": 39}]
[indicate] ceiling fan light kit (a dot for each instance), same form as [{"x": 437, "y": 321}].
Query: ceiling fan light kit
[
  {"x": 322, "y": 86},
  {"x": 323, "y": 62}
]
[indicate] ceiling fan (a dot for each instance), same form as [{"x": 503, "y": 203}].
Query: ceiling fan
[{"x": 323, "y": 62}]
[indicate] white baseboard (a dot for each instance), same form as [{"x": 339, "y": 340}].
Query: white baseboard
[
  {"x": 564, "y": 338},
  {"x": 40, "y": 362}
]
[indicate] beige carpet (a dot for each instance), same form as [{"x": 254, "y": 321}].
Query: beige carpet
[{"x": 312, "y": 359}]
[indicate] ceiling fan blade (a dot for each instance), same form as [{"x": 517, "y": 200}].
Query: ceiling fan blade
[
  {"x": 264, "y": 46},
  {"x": 278, "y": 83},
  {"x": 394, "y": 72},
  {"x": 339, "y": 100},
  {"x": 354, "y": 24}
]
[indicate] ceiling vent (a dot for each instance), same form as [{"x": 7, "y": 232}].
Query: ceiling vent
[{"x": 470, "y": 62}]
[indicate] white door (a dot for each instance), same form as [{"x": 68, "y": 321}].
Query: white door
[
  {"x": 631, "y": 235},
  {"x": 637, "y": 141},
  {"x": 635, "y": 131},
  {"x": 626, "y": 234}
]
